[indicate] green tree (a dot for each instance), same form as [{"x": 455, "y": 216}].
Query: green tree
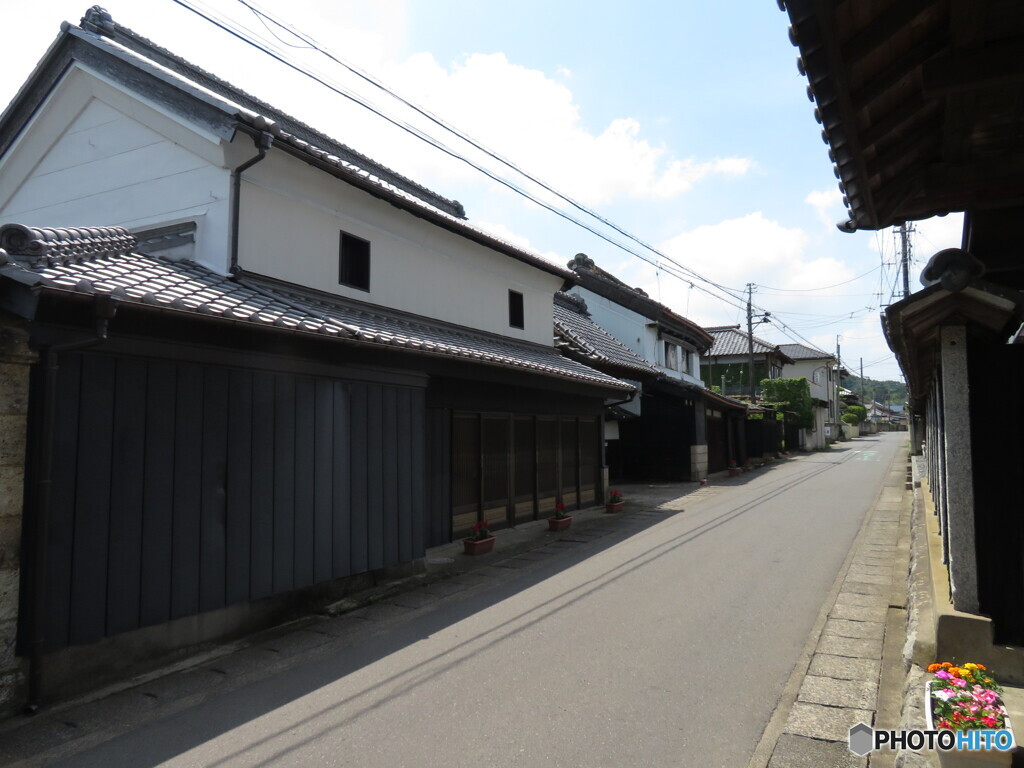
[
  {"x": 792, "y": 395},
  {"x": 858, "y": 413}
]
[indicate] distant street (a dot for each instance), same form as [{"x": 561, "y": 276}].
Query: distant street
[{"x": 667, "y": 644}]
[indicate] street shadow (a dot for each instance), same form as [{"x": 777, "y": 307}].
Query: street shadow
[{"x": 165, "y": 737}]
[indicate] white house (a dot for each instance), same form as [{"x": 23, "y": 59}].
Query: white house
[
  {"x": 277, "y": 367},
  {"x": 683, "y": 431},
  {"x": 820, "y": 370}
]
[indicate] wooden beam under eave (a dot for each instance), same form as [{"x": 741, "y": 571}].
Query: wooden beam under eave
[
  {"x": 978, "y": 183},
  {"x": 885, "y": 26},
  {"x": 915, "y": 110},
  {"x": 992, "y": 65},
  {"x": 899, "y": 71},
  {"x": 893, "y": 196},
  {"x": 910, "y": 149}
]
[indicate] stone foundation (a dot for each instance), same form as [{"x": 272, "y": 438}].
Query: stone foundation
[
  {"x": 15, "y": 361},
  {"x": 698, "y": 462}
]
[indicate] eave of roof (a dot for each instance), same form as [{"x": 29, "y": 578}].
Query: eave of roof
[
  {"x": 102, "y": 262},
  {"x": 913, "y": 326},
  {"x": 731, "y": 342},
  {"x": 724, "y": 401},
  {"x": 579, "y": 336},
  {"x": 590, "y": 276},
  {"x": 254, "y": 116},
  {"x": 917, "y": 101},
  {"x": 801, "y": 352}
]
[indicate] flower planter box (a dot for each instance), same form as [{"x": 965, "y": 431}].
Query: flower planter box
[
  {"x": 478, "y": 546},
  {"x": 616, "y": 507},
  {"x": 734, "y": 471},
  {"x": 967, "y": 758},
  {"x": 559, "y": 523}
]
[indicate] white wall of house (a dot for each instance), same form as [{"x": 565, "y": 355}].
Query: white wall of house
[
  {"x": 640, "y": 334},
  {"x": 96, "y": 155},
  {"x": 292, "y": 217},
  {"x": 629, "y": 327},
  {"x": 821, "y": 382}
]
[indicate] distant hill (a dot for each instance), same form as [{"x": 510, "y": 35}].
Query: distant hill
[{"x": 886, "y": 392}]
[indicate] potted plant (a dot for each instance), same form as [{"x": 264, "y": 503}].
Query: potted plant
[
  {"x": 614, "y": 503},
  {"x": 967, "y": 698},
  {"x": 747, "y": 466},
  {"x": 562, "y": 520},
  {"x": 481, "y": 540},
  {"x": 733, "y": 469}
]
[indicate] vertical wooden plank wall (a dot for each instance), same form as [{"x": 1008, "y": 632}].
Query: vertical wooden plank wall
[{"x": 182, "y": 488}]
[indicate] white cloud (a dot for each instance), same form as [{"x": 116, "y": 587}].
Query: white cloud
[
  {"x": 828, "y": 204},
  {"x": 522, "y": 113}
]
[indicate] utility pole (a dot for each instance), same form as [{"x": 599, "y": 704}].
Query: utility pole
[
  {"x": 750, "y": 341},
  {"x": 839, "y": 376},
  {"x": 761, "y": 318},
  {"x": 905, "y": 248},
  {"x": 862, "y": 381}
]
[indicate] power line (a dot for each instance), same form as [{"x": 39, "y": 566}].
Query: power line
[
  {"x": 822, "y": 288},
  {"x": 264, "y": 46},
  {"x": 264, "y": 15},
  {"x": 664, "y": 262}
]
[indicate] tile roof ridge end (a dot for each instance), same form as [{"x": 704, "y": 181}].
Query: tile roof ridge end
[{"x": 48, "y": 246}]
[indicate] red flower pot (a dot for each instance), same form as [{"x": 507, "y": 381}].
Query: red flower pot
[
  {"x": 478, "y": 546},
  {"x": 616, "y": 507},
  {"x": 559, "y": 523}
]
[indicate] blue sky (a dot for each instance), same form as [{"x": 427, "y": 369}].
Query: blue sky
[{"x": 685, "y": 123}]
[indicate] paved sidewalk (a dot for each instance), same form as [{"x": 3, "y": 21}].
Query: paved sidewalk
[{"x": 852, "y": 670}]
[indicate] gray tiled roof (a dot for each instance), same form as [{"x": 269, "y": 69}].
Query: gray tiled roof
[
  {"x": 102, "y": 33},
  {"x": 731, "y": 341},
  {"x": 801, "y": 352},
  {"x": 576, "y": 332},
  {"x": 184, "y": 286}
]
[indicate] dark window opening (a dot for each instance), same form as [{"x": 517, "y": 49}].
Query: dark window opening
[
  {"x": 516, "y": 318},
  {"x": 354, "y": 262}
]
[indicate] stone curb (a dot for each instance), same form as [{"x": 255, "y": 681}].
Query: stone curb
[{"x": 841, "y": 684}]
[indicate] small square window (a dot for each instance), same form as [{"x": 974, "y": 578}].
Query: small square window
[
  {"x": 354, "y": 262},
  {"x": 516, "y": 318}
]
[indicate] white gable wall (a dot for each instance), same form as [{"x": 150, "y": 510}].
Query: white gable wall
[
  {"x": 629, "y": 327},
  {"x": 823, "y": 390},
  {"x": 95, "y": 155},
  {"x": 637, "y": 332},
  {"x": 292, "y": 216}
]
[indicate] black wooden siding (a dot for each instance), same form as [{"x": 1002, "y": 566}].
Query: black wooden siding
[
  {"x": 182, "y": 487},
  {"x": 996, "y": 371},
  {"x": 658, "y": 444},
  {"x": 511, "y": 468}
]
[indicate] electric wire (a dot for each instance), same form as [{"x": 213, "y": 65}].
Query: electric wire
[
  {"x": 666, "y": 263},
  {"x": 821, "y": 288},
  {"x": 247, "y": 36},
  {"x": 310, "y": 42}
]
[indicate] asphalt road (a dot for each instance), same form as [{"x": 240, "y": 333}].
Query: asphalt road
[{"x": 666, "y": 645}]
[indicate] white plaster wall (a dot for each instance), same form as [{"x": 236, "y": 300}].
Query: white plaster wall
[
  {"x": 637, "y": 332},
  {"x": 291, "y": 219},
  {"x": 824, "y": 391},
  {"x": 624, "y": 324},
  {"x": 95, "y": 155}
]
